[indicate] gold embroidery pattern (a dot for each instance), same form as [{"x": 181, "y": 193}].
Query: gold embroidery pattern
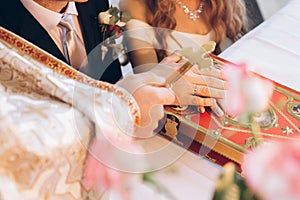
[
  {"x": 53, "y": 63},
  {"x": 39, "y": 177},
  {"x": 42, "y": 157}
]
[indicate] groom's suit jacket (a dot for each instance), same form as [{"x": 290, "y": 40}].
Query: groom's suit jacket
[{"x": 15, "y": 17}]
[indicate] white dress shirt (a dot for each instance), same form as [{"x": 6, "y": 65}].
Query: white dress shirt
[{"x": 49, "y": 20}]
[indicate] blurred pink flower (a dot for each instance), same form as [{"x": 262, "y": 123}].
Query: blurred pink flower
[
  {"x": 108, "y": 163},
  {"x": 272, "y": 170},
  {"x": 99, "y": 176},
  {"x": 96, "y": 172},
  {"x": 247, "y": 92}
]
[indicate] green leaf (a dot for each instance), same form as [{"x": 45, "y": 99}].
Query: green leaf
[
  {"x": 149, "y": 178},
  {"x": 118, "y": 47},
  {"x": 114, "y": 31},
  {"x": 231, "y": 185},
  {"x": 113, "y": 20},
  {"x": 114, "y": 11},
  {"x": 125, "y": 16}
]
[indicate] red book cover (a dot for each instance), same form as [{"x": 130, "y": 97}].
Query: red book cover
[{"x": 224, "y": 139}]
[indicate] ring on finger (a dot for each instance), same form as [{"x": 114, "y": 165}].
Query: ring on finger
[{"x": 195, "y": 90}]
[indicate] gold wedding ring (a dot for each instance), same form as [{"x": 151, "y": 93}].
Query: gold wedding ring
[{"x": 195, "y": 90}]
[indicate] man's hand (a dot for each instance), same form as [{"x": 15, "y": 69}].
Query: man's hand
[{"x": 150, "y": 98}]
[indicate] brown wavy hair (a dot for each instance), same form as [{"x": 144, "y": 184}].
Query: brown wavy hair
[{"x": 226, "y": 17}]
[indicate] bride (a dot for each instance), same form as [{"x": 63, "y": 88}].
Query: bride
[{"x": 159, "y": 27}]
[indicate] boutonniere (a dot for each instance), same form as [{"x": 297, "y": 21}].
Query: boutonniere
[{"x": 112, "y": 23}]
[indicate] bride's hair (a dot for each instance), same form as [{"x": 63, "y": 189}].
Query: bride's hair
[{"x": 226, "y": 17}]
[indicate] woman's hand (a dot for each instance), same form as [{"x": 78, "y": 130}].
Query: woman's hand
[{"x": 203, "y": 88}]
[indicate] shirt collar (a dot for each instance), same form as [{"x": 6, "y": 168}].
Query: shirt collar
[{"x": 47, "y": 18}]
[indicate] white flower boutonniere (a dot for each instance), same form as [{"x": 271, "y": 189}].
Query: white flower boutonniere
[{"x": 112, "y": 23}]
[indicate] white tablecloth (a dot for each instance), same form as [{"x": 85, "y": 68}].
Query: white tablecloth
[
  {"x": 188, "y": 177},
  {"x": 273, "y": 48}
]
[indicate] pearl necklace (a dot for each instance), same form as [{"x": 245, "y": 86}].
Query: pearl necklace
[{"x": 193, "y": 15}]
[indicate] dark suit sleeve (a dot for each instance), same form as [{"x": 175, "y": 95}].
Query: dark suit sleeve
[
  {"x": 108, "y": 69},
  {"x": 9, "y": 13},
  {"x": 15, "y": 18}
]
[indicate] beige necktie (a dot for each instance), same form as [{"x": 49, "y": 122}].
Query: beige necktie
[{"x": 73, "y": 47}]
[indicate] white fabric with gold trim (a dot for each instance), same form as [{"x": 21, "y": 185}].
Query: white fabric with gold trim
[{"x": 47, "y": 121}]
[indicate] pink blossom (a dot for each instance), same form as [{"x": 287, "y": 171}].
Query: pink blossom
[
  {"x": 97, "y": 173},
  {"x": 247, "y": 92},
  {"x": 272, "y": 170},
  {"x": 105, "y": 163}
]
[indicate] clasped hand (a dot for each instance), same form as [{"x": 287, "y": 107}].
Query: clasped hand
[
  {"x": 202, "y": 88},
  {"x": 199, "y": 87}
]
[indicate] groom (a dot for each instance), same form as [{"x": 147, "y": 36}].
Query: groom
[{"x": 37, "y": 22}]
